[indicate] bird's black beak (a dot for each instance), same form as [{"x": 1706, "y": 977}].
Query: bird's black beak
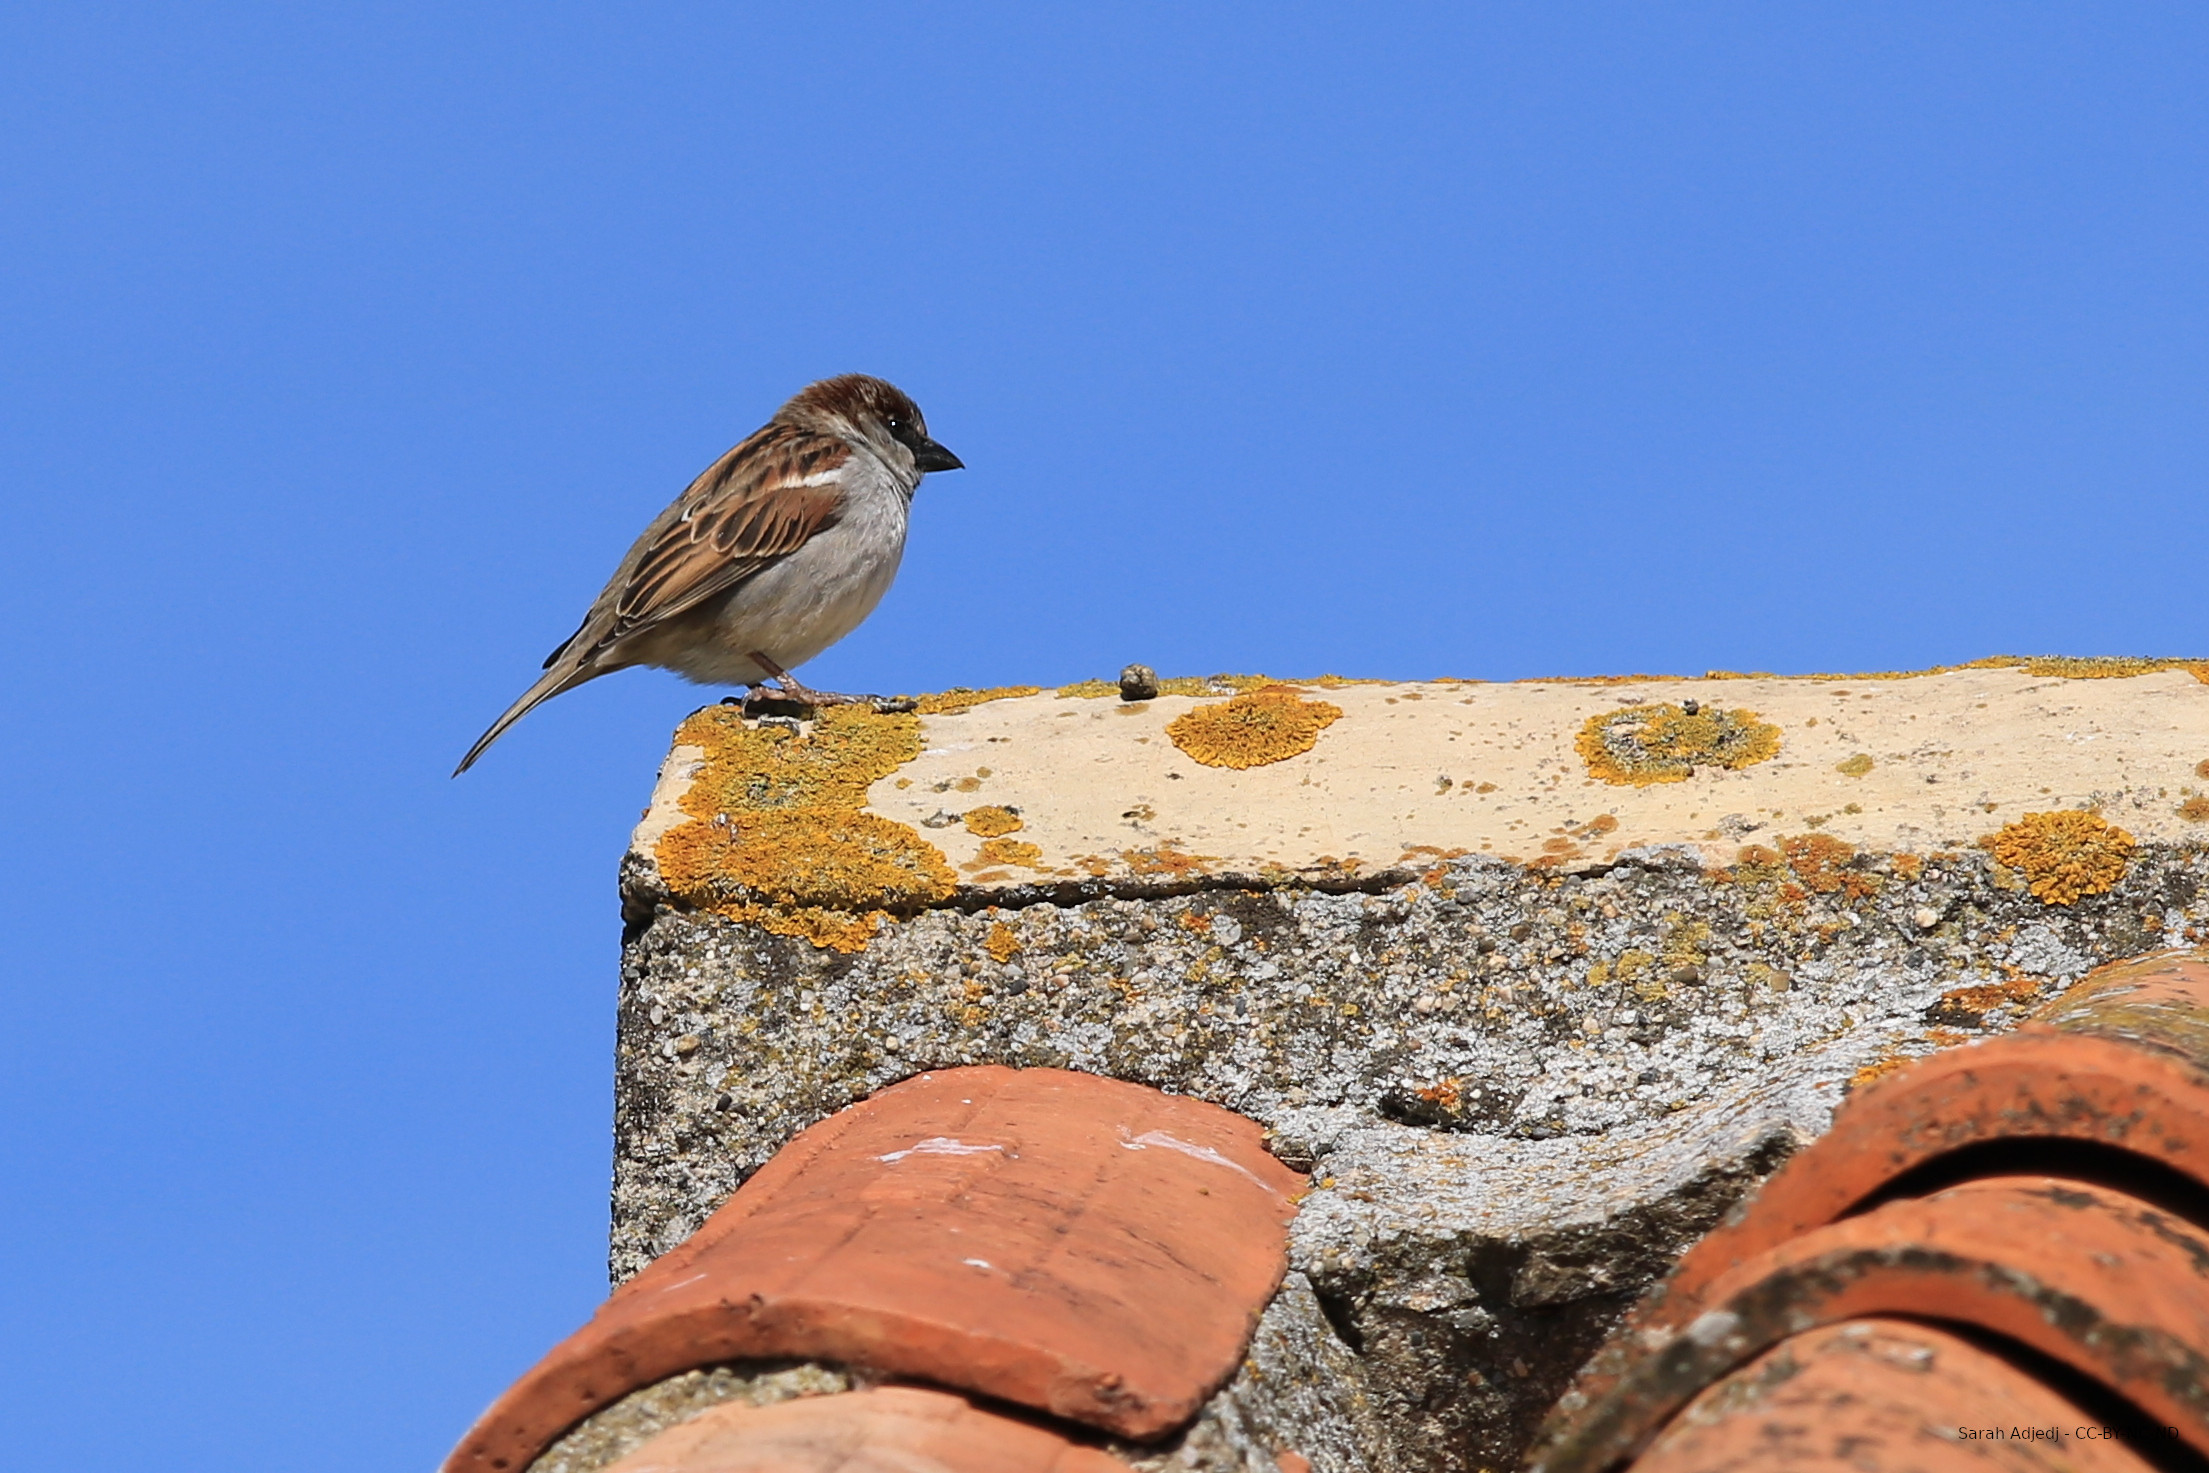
[{"x": 929, "y": 456}]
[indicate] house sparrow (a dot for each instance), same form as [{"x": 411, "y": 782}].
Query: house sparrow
[{"x": 777, "y": 551}]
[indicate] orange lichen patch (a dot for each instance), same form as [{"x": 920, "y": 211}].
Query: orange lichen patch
[
  {"x": 2101, "y": 667},
  {"x": 749, "y": 768},
  {"x": 1968, "y": 1007},
  {"x": 2195, "y": 810},
  {"x": 1448, "y": 1093},
  {"x": 777, "y": 837},
  {"x": 1270, "y": 724},
  {"x": 1876, "y": 1069},
  {"x": 1665, "y": 743},
  {"x": 1007, "y": 851},
  {"x": 960, "y": 698},
  {"x": 2064, "y": 856},
  {"x": 1906, "y": 866},
  {"x": 1002, "y": 944},
  {"x": 1855, "y": 766},
  {"x": 2201, "y": 768},
  {"x": 1196, "y": 923},
  {"x": 992, "y": 821},
  {"x": 840, "y": 859},
  {"x": 1168, "y": 859},
  {"x": 1820, "y": 860}
]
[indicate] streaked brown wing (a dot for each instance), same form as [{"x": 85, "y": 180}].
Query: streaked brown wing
[{"x": 754, "y": 506}]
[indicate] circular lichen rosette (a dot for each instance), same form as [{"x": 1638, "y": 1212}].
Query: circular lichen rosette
[
  {"x": 1664, "y": 742},
  {"x": 1270, "y": 724},
  {"x": 2064, "y": 856}
]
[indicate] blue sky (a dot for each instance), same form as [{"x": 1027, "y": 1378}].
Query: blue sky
[{"x": 344, "y": 348}]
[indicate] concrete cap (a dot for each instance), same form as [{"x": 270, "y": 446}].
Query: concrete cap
[
  {"x": 892, "y": 1429},
  {"x": 1090, "y": 1248},
  {"x": 1051, "y": 792}
]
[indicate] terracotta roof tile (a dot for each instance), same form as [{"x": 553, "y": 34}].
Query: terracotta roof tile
[
  {"x": 2109, "y": 1083},
  {"x": 2091, "y": 1278},
  {"x": 1871, "y": 1396},
  {"x": 892, "y": 1429},
  {"x": 1087, "y": 1247}
]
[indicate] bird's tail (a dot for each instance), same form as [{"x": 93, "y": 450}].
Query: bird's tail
[{"x": 561, "y": 677}]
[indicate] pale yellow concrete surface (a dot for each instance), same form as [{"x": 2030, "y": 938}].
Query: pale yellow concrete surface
[
  {"x": 1412, "y": 770},
  {"x": 1955, "y": 756}
]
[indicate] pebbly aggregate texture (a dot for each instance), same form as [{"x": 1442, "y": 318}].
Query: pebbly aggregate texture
[
  {"x": 637, "y": 1418},
  {"x": 1520, "y": 1092}
]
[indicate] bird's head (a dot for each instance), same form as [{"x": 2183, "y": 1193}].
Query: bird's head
[{"x": 874, "y": 413}]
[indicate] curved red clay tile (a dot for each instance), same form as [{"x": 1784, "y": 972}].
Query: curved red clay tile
[
  {"x": 1084, "y": 1246},
  {"x": 2097, "y": 1280},
  {"x": 2121, "y": 1060},
  {"x": 892, "y": 1429},
  {"x": 2119, "y": 1063},
  {"x": 1875, "y": 1395}
]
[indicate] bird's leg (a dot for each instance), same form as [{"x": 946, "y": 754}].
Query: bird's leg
[{"x": 794, "y": 690}]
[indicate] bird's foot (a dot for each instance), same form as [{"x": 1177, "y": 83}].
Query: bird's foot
[
  {"x": 806, "y": 695},
  {"x": 788, "y": 698}
]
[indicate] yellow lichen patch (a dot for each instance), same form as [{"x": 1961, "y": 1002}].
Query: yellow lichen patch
[
  {"x": 777, "y": 837},
  {"x": 2194, "y": 810},
  {"x": 831, "y": 930},
  {"x": 1088, "y": 690},
  {"x": 1665, "y": 743},
  {"x": 1270, "y": 724},
  {"x": 1763, "y": 974},
  {"x": 959, "y": 698},
  {"x": 991, "y": 821},
  {"x": 2067, "y": 667},
  {"x": 1002, "y": 944},
  {"x": 1855, "y": 766},
  {"x": 1877, "y": 1069},
  {"x": 749, "y": 768},
  {"x": 2103, "y": 667},
  {"x": 838, "y": 858},
  {"x": 1007, "y": 851},
  {"x": 2063, "y": 856}
]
